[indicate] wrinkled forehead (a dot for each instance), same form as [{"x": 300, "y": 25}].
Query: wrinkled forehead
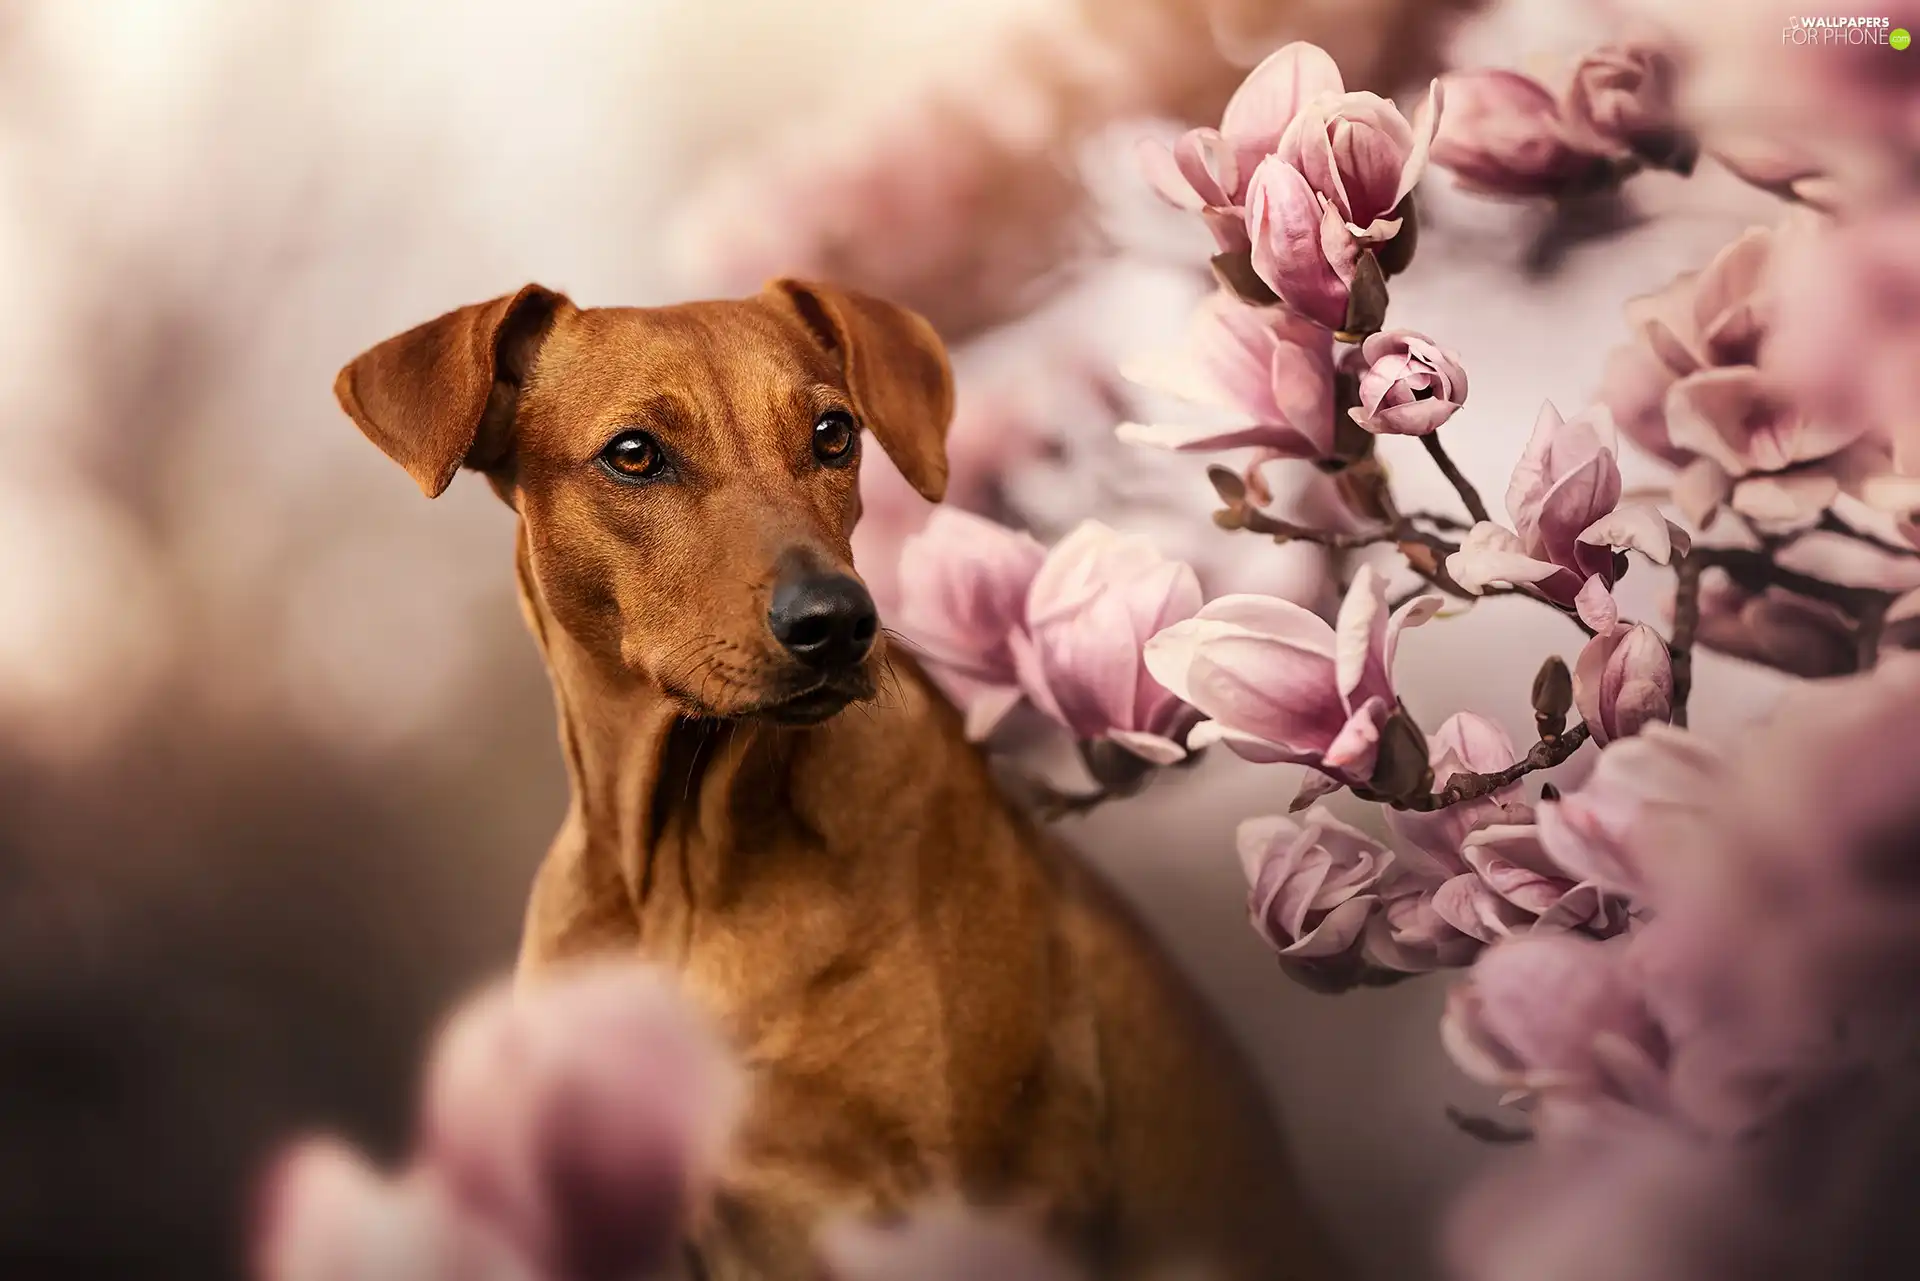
[{"x": 694, "y": 371}]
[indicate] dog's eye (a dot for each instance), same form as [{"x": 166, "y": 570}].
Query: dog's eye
[
  {"x": 834, "y": 436},
  {"x": 634, "y": 455}
]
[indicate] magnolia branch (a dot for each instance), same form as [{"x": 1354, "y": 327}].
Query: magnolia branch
[
  {"x": 1455, "y": 477},
  {"x": 1545, "y": 754},
  {"x": 1686, "y": 624}
]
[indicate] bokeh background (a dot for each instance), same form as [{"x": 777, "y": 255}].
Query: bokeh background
[{"x": 276, "y": 757}]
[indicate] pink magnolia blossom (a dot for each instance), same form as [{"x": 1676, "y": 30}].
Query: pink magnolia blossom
[
  {"x": 1623, "y": 681},
  {"x": 1690, "y": 391},
  {"x": 963, "y": 593},
  {"x": 1598, "y": 833},
  {"x": 1623, "y": 98},
  {"x": 1097, "y": 599},
  {"x": 1269, "y": 370},
  {"x": 1505, "y": 134},
  {"x": 1557, "y": 1019},
  {"x": 1310, "y": 884},
  {"x": 1209, "y": 170},
  {"x": 1480, "y": 864},
  {"x": 1564, "y": 500},
  {"x": 1278, "y": 684},
  {"x": 329, "y": 1215},
  {"x": 1465, "y": 743},
  {"x": 1512, "y": 886},
  {"x": 583, "y": 1116},
  {"x": 1332, "y": 191},
  {"x": 569, "y": 1128},
  {"x": 1411, "y": 384},
  {"x": 1845, "y": 348}
]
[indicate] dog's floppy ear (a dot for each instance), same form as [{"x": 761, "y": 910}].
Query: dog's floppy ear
[
  {"x": 896, "y": 370},
  {"x": 443, "y": 393}
]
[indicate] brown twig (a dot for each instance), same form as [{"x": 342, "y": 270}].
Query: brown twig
[
  {"x": 1757, "y": 570},
  {"x": 1686, "y": 625},
  {"x": 1546, "y": 754},
  {"x": 1455, "y": 477},
  {"x": 1832, "y": 524},
  {"x": 1873, "y": 624}
]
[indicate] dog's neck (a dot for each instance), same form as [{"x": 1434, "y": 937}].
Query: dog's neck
[{"x": 644, "y": 772}]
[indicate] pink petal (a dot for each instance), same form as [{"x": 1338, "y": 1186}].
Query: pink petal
[
  {"x": 1490, "y": 556},
  {"x": 1163, "y": 174},
  {"x": 1596, "y": 606},
  {"x": 1638, "y": 527},
  {"x": 1273, "y": 94},
  {"x": 1285, "y": 220}
]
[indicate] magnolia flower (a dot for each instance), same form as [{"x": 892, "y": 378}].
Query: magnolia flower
[
  {"x": 1564, "y": 500},
  {"x": 1465, "y": 743},
  {"x": 1278, "y": 684},
  {"x": 1558, "y": 1020},
  {"x": 1622, "y": 99},
  {"x": 568, "y": 1127},
  {"x": 1690, "y": 391},
  {"x": 1597, "y": 834},
  {"x": 1409, "y": 935},
  {"x": 963, "y": 593},
  {"x": 1411, "y": 385},
  {"x": 1311, "y": 885},
  {"x": 582, "y": 1116},
  {"x": 1505, "y": 134},
  {"x": 329, "y": 1215},
  {"x": 1776, "y": 628},
  {"x": 1512, "y": 886},
  {"x": 1845, "y": 348},
  {"x": 1209, "y": 170},
  {"x": 1623, "y": 681},
  {"x": 1098, "y": 597},
  {"x": 1332, "y": 191},
  {"x": 1271, "y": 370}
]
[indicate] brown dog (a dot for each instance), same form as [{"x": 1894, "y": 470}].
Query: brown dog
[{"x": 933, "y": 999}]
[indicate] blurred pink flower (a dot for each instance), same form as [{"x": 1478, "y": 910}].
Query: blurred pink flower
[
  {"x": 328, "y": 1215},
  {"x": 1623, "y": 681},
  {"x": 1690, "y": 391},
  {"x": 1411, "y": 384},
  {"x": 1278, "y": 684},
  {"x": 1311, "y": 884},
  {"x": 1559, "y": 1021},
  {"x": 568, "y": 1127},
  {"x": 1599, "y": 833},
  {"x": 1623, "y": 99},
  {"x": 1505, "y": 134},
  {"x": 940, "y": 1243},
  {"x": 1564, "y": 499},
  {"x": 1265, "y": 366},
  {"x": 584, "y": 1116},
  {"x": 963, "y": 593},
  {"x": 1845, "y": 347},
  {"x": 1332, "y": 191},
  {"x": 1097, "y": 599},
  {"x": 1209, "y": 170}
]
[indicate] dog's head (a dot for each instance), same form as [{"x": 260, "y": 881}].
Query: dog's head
[{"x": 688, "y": 476}]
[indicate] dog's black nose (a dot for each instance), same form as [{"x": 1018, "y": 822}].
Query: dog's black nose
[{"x": 825, "y": 621}]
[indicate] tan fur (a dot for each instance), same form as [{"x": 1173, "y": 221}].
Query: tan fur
[{"x": 932, "y": 998}]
